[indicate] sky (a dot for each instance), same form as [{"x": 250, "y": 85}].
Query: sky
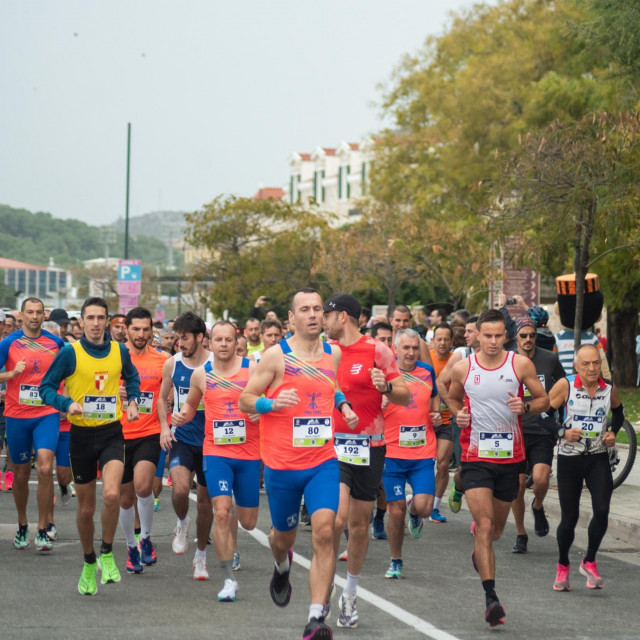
[{"x": 219, "y": 94}]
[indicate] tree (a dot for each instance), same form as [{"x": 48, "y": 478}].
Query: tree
[
  {"x": 251, "y": 247},
  {"x": 576, "y": 181}
]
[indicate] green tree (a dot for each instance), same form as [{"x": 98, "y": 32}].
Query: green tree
[
  {"x": 250, "y": 247},
  {"x": 577, "y": 181}
]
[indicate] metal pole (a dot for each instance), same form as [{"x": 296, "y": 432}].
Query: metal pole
[{"x": 126, "y": 215}]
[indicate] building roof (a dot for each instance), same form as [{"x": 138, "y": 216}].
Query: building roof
[
  {"x": 6, "y": 263},
  {"x": 330, "y": 151},
  {"x": 266, "y": 193}
]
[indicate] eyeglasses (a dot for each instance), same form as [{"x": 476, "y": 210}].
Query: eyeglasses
[{"x": 524, "y": 336}]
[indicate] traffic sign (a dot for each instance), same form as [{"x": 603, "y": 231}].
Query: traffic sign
[{"x": 130, "y": 270}]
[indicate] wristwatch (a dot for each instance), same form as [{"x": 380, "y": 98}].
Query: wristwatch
[
  {"x": 389, "y": 389},
  {"x": 527, "y": 407},
  {"x": 561, "y": 432}
]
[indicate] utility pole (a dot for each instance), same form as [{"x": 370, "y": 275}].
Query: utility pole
[{"x": 126, "y": 215}]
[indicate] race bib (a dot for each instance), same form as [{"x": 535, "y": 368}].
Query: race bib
[
  {"x": 495, "y": 445},
  {"x": 229, "y": 432},
  {"x": 145, "y": 405},
  {"x": 527, "y": 393},
  {"x": 100, "y": 407},
  {"x": 352, "y": 449},
  {"x": 183, "y": 392},
  {"x": 311, "y": 432},
  {"x": 591, "y": 426},
  {"x": 30, "y": 395},
  {"x": 413, "y": 436}
]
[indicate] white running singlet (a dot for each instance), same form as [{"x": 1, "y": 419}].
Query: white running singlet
[{"x": 495, "y": 433}]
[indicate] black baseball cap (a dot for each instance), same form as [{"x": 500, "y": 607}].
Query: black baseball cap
[
  {"x": 60, "y": 316},
  {"x": 343, "y": 302}
]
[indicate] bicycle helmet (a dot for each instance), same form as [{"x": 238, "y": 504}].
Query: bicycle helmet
[{"x": 539, "y": 316}]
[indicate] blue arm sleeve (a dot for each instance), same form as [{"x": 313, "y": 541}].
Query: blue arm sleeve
[
  {"x": 130, "y": 375},
  {"x": 432, "y": 371},
  {"x": 4, "y": 351},
  {"x": 62, "y": 367}
]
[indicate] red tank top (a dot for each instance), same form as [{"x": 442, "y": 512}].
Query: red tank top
[
  {"x": 301, "y": 437},
  {"x": 228, "y": 432}
]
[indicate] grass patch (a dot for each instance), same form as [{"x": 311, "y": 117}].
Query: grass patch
[{"x": 630, "y": 397}]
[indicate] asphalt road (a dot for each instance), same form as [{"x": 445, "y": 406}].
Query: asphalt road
[{"x": 440, "y": 596}]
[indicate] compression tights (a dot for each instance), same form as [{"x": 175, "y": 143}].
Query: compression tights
[{"x": 596, "y": 472}]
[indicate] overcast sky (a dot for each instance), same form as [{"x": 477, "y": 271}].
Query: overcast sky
[{"x": 218, "y": 93}]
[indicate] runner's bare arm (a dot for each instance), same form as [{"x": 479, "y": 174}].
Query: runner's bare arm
[
  {"x": 445, "y": 378},
  {"x": 166, "y": 437},
  {"x": 456, "y": 394}
]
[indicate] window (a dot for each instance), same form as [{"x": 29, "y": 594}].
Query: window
[
  {"x": 340, "y": 173},
  {"x": 52, "y": 280},
  {"x": 363, "y": 178},
  {"x": 348, "y": 183},
  {"x": 33, "y": 274},
  {"x": 22, "y": 280},
  {"x": 62, "y": 280}
]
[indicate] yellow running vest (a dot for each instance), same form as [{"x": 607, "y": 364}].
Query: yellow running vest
[{"x": 95, "y": 384}]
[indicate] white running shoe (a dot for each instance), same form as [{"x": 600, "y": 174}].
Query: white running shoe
[
  {"x": 200, "y": 569},
  {"x": 180, "y": 541},
  {"x": 228, "y": 592}
]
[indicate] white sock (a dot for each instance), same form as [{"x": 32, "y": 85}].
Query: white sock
[
  {"x": 127, "y": 524},
  {"x": 201, "y": 554},
  {"x": 284, "y": 566},
  {"x": 183, "y": 523},
  {"x": 315, "y": 611},
  {"x": 436, "y": 504},
  {"x": 145, "y": 510},
  {"x": 352, "y": 584}
]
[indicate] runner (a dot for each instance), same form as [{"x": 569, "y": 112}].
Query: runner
[
  {"x": 486, "y": 398},
  {"x": 583, "y": 458},
  {"x": 141, "y": 442},
  {"x": 241, "y": 347},
  {"x": 252, "y": 334},
  {"x": 92, "y": 368},
  {"x": 443, "y": 381},
  {"x": 538, "y": 441},
  {"x": 367, "y": 373},
  {"x": 411, "y": 448},
  {"x": 299, "y": 381},
  {"x": 270, "y": 334},
  {"x": 185, "y": 442},
  {"x": 231, "y": 446},
  {"x": 400, "y": 318},
  {"x": 440, "y": 355},
  {"x": 30, "y": 425},
  {"x": 117, "y": 328}
]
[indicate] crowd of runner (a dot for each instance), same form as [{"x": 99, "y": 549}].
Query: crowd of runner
[{"x": 336, "y": 413}]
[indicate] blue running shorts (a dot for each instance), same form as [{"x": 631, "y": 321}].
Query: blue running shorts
[
  {"x": 27, "y": 434},
  {"x": 418, "y": 473},
  {"x": 227, "y": 475}
]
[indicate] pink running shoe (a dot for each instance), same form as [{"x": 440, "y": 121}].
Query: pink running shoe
[
  {"x": 8, "y": 481},
  {"x": 590, "y": 571},
  {"x": 562, "y": 578}
]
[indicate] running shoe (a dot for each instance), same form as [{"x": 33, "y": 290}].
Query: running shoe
[
  {"x": 455, "y": 498},
  {"x": 305, "y": 518},
  {"x": 436, "y": 516},
  {"x": 521, "y": 544},
  {"x": 316, "y": 629},
  {"x": 52, "y": 532},
  {"x": 42, "y": 541},
  {"x": 87, "y": 585},
  {"x": 73, "y": 490},
  {"x": 108, "y": 568},
  {"x": 590, "y": 571},
  {"x": 148, "y": 555},
  {"x": 377, "y": 530},
  {"x": 343, "y": 556},
  {"x": 156, "y": 504},
  {"x": 473, "y": 528},
  {"x": 395, "y": 570},
  {"x": 348, "y": 618},
  {"x": 8, "y": 480},
  {"x": 200, "y": 569},
  {"x": 235, "y": 565},
  {"x": 541, "y": 524},
  {"x": 169, "y": 482},
  {"x": 280, "y": 587},
  {"x": 21, "y": 541},
  {"x": 133, "y": 560},
  {"x": 416, "y": 523},
  {"x": 562, "y": 578},
  {"x": 180, "y": 541},
  {"x": 228, "y": 592},
  {"x": 495, "y": 613},
  {"x": 326, "y": 609},
  {"x": 64, "y": 493}
]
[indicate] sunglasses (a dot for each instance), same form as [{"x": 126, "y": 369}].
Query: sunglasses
[{"x": 524, "y": 336}]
